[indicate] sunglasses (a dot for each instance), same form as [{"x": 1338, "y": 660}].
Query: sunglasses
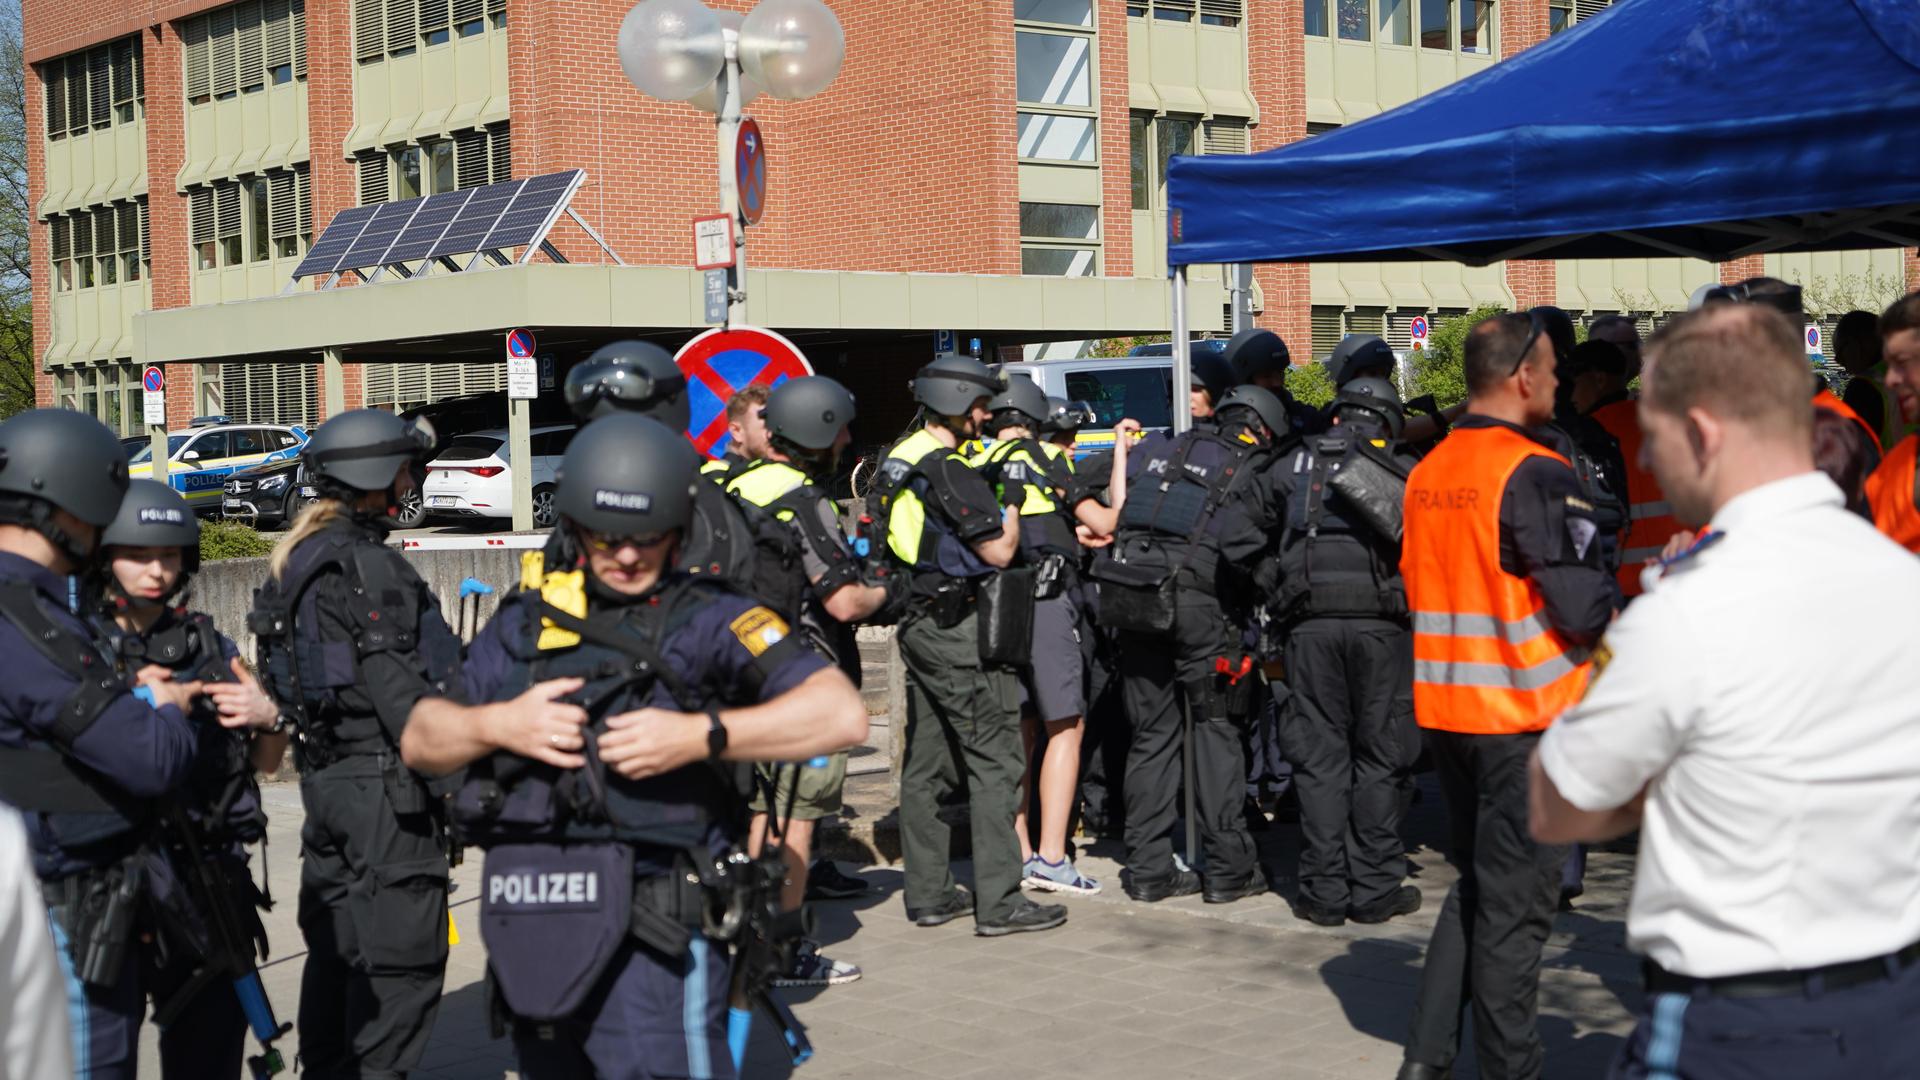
[
  {"x": 605, "y": 544},
  {"x": 1536, "y": 327}
]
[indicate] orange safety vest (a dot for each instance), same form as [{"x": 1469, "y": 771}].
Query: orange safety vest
[
  {"x": 1828, "y": 400},
  {"x": 1892, "y": 495},
  {"x": 1650, "y": 521},
  {"x": 1485, "y": 659}
]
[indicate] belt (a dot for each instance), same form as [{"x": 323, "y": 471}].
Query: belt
[{"x": 1784, "y": 983}]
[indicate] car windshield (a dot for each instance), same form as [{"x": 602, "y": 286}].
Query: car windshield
[
  {"x": 1143, "y": 393},
  {"x": 145, "y": 453},
  {"x": 470, "y": 448}
]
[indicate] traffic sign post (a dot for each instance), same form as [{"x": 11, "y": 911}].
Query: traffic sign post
[
  {"x": 721, "y": 361},
  {"x": 1813, "y": 339},
  {"x": 712, "y": 242},
  {"x": 153, "y": 404},
  {"x": 1418, "y": 331},
  {"x": 523, "y": 385},
  {"x": 750, "y": 170},
  {"x": 715, "y": 290}
]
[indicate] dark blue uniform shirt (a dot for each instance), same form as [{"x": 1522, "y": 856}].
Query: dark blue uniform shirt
[{"x": 144, "y": 751}]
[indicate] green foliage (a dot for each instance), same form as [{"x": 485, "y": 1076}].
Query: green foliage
[
  {"x": 1440, "y": 370},
  {"x": 231, "y": 540},
  {"x": 1311, "y": 384},
  {"x": 16, "y": 218},
  {"x": 1113, "y": 347}
]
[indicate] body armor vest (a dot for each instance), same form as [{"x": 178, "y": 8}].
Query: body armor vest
[
  {"x": 1332, "y": 560},
  {"x": 1171, "y": 514},
  {"x": 1025, "y": 473}
]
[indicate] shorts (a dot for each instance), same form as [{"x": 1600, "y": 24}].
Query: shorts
[
  {"x": 1055, "y": 683},
  {"x": 819, "y": 789}
]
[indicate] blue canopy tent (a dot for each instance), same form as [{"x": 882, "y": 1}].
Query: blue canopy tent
[{"x": 1709, "y": 129}]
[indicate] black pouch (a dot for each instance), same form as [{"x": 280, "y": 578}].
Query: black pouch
[
  {"x": 1006, "y": 617},
  {"x": 553, "y": 917},
  {"x": 1051, "y": 577},
  {"x": 407, "y": 792},
  {"x": 1375, "y": 492},
  {"x": 399, "y": 913},
  {"x": 1134, "y": 597},
  {"x": 951, "y": 601}
]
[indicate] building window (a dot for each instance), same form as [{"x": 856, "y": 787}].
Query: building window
[
  {"x": 1316, "y": 17},
  {"x": 1396, "y": 22},
  {"x": 260, "y": 246},
  {"x": 263, "y": 217},
  {"x": 1154, "y": 141},
  {"x": 1559, "y": 15},
  {"x": 440, "y": 165},
  {"x": 244, "y": 48},
  {"x": 1059, "y": 239},
  {"x": 1476, "y": 26},
  {"x": 482, "y": 156},
  {"x": 83, "y": 248},
  {"x": 1221, "y": 12},
  {"x": 95, "y": 89},
  {"x": 406, "y": 173},
  {"x": 385, "y": 28},
  {"x": 1053, "y": 74},
  {"x": 128, "y": 230},
  {"x": 1137, "y": 11},
  {"x": 1058, "y": 262},
  {"x": 1436, "y": 24},
  {"x": 1353, "y": 20},
  {"x": 60, "y": 251},
  {"x": 1173, "y": 10}
]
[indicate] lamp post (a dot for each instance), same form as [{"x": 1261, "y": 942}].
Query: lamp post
[{"x": 680, "y": 50}]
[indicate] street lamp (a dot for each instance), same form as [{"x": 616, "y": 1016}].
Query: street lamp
[{"x": 679, "y": 50}]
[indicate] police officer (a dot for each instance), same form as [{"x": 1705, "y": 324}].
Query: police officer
[
  {"x": 946, "y": 533},
  {"x": 1260, "y": 357},
  {"x": 1344, "y": 608},
  {"x": 1039, "y": 480},
  {"x": 1364, "y": 356},
  {"x": 1506, "y": 593},
  {"x": 609, "y": 690},
  {"x": 82, "y": 752},
  {"x": 350, "y": 637},
  {"x": 821, "y": 584},
  {"x": 152, "y": 550},
  {"x": 1172, "y": 583}
]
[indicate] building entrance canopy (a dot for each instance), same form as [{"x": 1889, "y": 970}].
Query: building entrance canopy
[{"x": 1696, "y": 128}]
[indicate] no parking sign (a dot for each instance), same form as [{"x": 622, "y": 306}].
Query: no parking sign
[{"x": 720, "y": 362}]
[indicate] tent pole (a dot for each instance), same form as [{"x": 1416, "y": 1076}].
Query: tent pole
[{"x": 1182, "y": 355}]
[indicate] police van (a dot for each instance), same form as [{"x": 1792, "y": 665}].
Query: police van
[
  {"x": 201, "y": 456},
  {"x": 1138, "y": 385}
]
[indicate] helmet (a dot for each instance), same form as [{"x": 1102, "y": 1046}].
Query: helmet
[
  {"x": 1063, "y": 415},
  {"x": 155, "y": 515},
  {"x": 1261, "y": 401},
  {"x": 1376, "y": 396},
  {"x": 1257, "y": 352},
  {"x": 1022, "y": 396},
  {"x": 363, "y": 450},
  {"x": 809, "y": 412},
  {"x": 951, "y": 384},
  {"x": 630, "y": 376},
  {"x": 65, "y": 459},
  {"x": 1357, "y": 353},
  {"x": 1212, "y": 373},
  {"x": 627, "y": 475},
  {"x": 1559, "y": 327}
]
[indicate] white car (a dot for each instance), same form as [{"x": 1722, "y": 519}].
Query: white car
[{"x": 471, "y": 477}]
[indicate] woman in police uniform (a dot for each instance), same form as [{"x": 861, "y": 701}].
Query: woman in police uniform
[
  {"x": 152, "y": 550},
  {"x": 617, "y": 687}
]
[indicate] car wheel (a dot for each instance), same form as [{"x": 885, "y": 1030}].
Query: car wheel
[
  {"x": 545, "y": 515},
  {"x": 412, "y": 511}
]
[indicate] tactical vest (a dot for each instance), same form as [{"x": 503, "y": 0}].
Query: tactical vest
[
  {"x": 83, "y": 809},
  {"x": 788, "y": 503},
  {"x": 1332, "y": 561},
  {"x": 1025, "y": 473},
  {"x": 924, "y": 542},
  {"x": 1173, "y": 503},
  {"x": 722, "y": 469},
  {"x": 618, "y": 654},
  {"x": 221, "y": 793}
]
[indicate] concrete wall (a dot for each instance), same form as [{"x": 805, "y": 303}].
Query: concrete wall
[{"x": 224, "y": 589}]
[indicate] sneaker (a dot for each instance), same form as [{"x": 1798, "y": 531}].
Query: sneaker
[
  {"x": 954, "y": 906},
  {"x": 1403, "y": 901},
  {"x": 825, "y": 881},
  {"x": 812, "y": 969},
  {"x": 1027, "y": 917},
  {"x": 1058, "y": 877}
]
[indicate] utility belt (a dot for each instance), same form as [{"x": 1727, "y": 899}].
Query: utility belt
[
  {"x": 1805, "y": 981},
  {"x": 1004, "y": 601},
  {"x": 1377, "y": 601},
  {"x": 317, "y": 748},
  {"x": 945, "y": 599},
  {"x": 1054, "y": 573},
  {"x": 98, "y": 911}
]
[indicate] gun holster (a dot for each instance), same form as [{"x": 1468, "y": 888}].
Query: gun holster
[{"x": 97, "y": 910}]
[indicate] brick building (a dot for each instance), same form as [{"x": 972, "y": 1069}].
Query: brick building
[{"x": 993, "y": 167}]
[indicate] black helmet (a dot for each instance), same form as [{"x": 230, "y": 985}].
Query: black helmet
[
  {"x": 1559, "y": 327},
  {"x": 628, "y": 475},
  {"x": 1253, "y": 353},
  {"x": 1375, "y": 396},
  {"x": 363, "y": 450},
  {"x": 1357, "y": 353},
  {"x": 628, "y": 376},
  {"x": 155, "y": 515},
  {"x": 951, "y": 384},
  {"x": 1022, "y": 397},
  {"x": 1063, "y": 416},
  {"x": 1261, "y": 401},
  {"x": 1212, "y": 373},
  {"x": 63, "y": 459},
  {"x": 809, "y": 412}
]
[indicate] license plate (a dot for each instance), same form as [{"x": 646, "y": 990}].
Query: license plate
[
  {"x": 444, "y": 500},
  {"x": 236, "y": 504}
]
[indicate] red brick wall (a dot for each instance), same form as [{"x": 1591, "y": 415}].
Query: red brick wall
[
  {"x": 1116, "y": 227},
  {"x": 1277, "y": 70},
  {"x": 37, "y": 240},
  {"x": 1523, "y": 24},
  {"x": 1737, "y": 270}
]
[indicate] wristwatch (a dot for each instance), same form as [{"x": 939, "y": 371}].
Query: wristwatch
[{"x": 716, "y": 734}]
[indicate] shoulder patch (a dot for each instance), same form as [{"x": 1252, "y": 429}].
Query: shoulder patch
[{"x": 758, "y": 629}]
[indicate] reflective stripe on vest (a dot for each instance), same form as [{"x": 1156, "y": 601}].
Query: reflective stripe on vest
[
  {"x": 1650, "y": 520},
  {"x": 1891, "y": 494},
  {"x": 907, "y": 517},
  {"x": 1486, "y": 661}
]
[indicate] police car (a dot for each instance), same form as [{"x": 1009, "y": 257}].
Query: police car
[
  {"x": 201, "y": 457},
  {"x": 1138, "y": 385}
]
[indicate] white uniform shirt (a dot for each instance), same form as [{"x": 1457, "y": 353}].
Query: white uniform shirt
[
  {"x": 1769, "y": 691},
  {"x": 36, "y": 1042}
]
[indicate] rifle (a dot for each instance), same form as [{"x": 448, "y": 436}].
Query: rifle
[
  {"x": 763, "y": 935},
  {"x": 230, "y": 948}
]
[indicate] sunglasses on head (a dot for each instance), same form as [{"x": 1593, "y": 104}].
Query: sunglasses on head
[
  {"x": 1536, "y": 327},
  {"x": 604, "y": 544}
]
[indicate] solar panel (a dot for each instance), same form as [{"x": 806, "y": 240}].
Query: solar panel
[
  {"x": 535, "y": 206},
  {"x": 476, "y": 218},
  {"x": 341, "y": 232},
  {"x": 371, "y": 248},
  {"x": 427, "y": 226}
]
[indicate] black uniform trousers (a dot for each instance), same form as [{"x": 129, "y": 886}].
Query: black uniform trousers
[
  {"x": 1164, "y": 674},
  {"x": 373, "y": 908},
  {"x": 208, "y": 1037},
  {"x": 1486, "y": 942},
  {"x": 1343, "y": 734}
]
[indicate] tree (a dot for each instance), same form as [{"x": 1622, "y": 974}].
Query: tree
[
  {"x": 1114, "y": 347},
  {"x": 1441, "y": 371},
  {"x": 1310, "y": 384},
  {"x": 16, "y": 221}
]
